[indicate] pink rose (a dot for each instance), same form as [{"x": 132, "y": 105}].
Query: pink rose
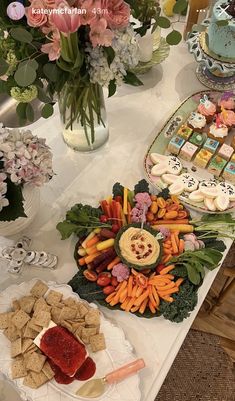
[
  {"x": 35, "y": 18},
  {"x": 50, "y": 3},
  {"x": 67, "y": 22},
  {"x": 90, "y": 16},
  {"x": 117, "y": 13},
  {"x": 52, "y": 48},
  {"x": 99, "y": 35}
]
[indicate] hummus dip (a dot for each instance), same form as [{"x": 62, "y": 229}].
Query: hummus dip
[{"x": 139, "y": 247}]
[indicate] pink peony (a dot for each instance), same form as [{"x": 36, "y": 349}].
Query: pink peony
[
  {"x": 67, "y": 22},
  {"x": 100, "y": 35},
  {"x": 33, "y": 18},
  {"x": 117, "y": 13},
  {"x": 52, "y": 48}
]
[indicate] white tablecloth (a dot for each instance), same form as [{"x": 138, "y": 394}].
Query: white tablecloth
[{"x": 133, "y": 114}]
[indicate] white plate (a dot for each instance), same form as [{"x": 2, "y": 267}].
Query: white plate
[{"x": 118, "y": 352}]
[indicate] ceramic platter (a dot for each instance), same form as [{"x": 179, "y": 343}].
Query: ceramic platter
[
  {"x": 164, "y": 136},
  {"x": 118, "y": 352}
]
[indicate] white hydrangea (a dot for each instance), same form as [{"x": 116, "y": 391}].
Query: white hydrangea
[
  {"x": 3, "y": 189},
  {"x": 126, "y": 50}
]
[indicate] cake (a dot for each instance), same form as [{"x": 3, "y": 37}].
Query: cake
[
  {"x": 185, "y": 131},
  {"x": 227, "y": 101},
  {"x": 221, "y": 37},
  {"x": 225, "y": 151},
  {"x": 188, "y": 151},
  {"x": 227, "y": 117},
  {"x": 175, "y": 144},
  {"x": 207, "y": 108},
  {"x": 202, "y": 158},
  {"x": 198, "y": 139},
  {"x": 197, "y": 121},
  {"x": 211, "y": 145},
  {"x": 217, "y": 165},
  {"x": 218, "y": 131},
  {"x": 229, "y": 172}
]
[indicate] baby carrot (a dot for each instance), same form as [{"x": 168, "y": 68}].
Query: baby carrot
[
  {"x": 166, "y": 258},
  {"x": 143, "y": 306},
  {"x": 168, "y": 292},
  {"x": 174, "y": 244},
  {"x": 91, "y": 250},
  {"x": 130, "y": 285},
  {"x": 90, "y": 258},
  {"x": 113, "y": 263},
  {"x": 167, "y": 251},
  {"x": 166, "y": 269},
  {"x": 181, "y": 246},
  {"x": 151, "y": 307},
  {"x": 168, "y": 299},
  {"x": 179, "y": 281},
  {"x": 134, "y": 289},
  {"x": 142, "y": 297},
  {"x": 139, "y": 291},
  {"x": 92, "y": 241},
  {"x": 82, "y": 261},
  {"x": 156, "y": 297}
]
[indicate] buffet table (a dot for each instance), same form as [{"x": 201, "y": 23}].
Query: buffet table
[{"x": 135, "y": 114}]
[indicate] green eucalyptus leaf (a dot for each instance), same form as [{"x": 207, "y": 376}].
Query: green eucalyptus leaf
[
  {"x": 42, "y": 95},
  {"x": 47, "y": 110},
  {"x": 21, "y": 110},
  {"x": 110, "y": 54},
  {"x": 63, "y": 65},
  {"x": 29, "y": 112},
  {"x": 25, "y": 75},
  {"x": 131, "y": 79},
  {"x": 31, "y": 62},
  {"x": 174, "y": 38},
  {"x": 21, "y": 35},
  {"x": 180, "y": 6},
  {"x": 112, "y": 87},
  {"x": 51, "y": 71},
  {"x": 163, "y": 22},
  {"x": 3, "y": 66}
]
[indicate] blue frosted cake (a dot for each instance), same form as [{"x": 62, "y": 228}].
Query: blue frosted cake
[{"x": 222, "y": 37}]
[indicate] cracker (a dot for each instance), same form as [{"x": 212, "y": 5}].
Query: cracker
[
  {"x": 20, "y": 319},
  {"x": 67, "y": 313},
  {"x": 18, "y": 369},
  {"x": 27, "y": 303},
  {"x": 70, "y": 302},
  {"x": 54, "y": 297},
  {"x": 97, "y": 342},
  {"x": 34, "y": 326},
  {"x": 26, "y": 343},
  {"x": 16, "y": 347},
  {"x": 55, "y": 314},
  {"x": 39, "y": 289},
  {"x": 4, "y": 320},
  {"x": 35, "y": 362},
  {"x": 78, "y": 333},
  {"x": 29, "y": 382},
  {"x": 88, "y": 332},
  {"x": 30, "y": 333},
  {"x": 67, "y": 325},
  {"x": 39, "y": 378},
  {"x": 11, "y": 332},
  {"x": 42, "y": 318},
  {"x": 40, "y": 305},
  {"x": 48, "y": 371},
  {"x": 82, "y": 310},
  {"x": 93, "y": 317},
  {"x": 15, "y": 305}
]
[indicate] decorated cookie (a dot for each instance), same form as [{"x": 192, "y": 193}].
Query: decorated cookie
[
  {"x": 184, "y": 182},
  {"x": 188, "y": 151},
  {"x": 225, "y": 151},
  {"x": 210, "y": 193},
  {"x": 196, "y": 121},
  {"x": 227, "y": 189},
  {"x": 196, "y": 196},
  {"x": 185, "y": 131},
  {"x": 222, "y": 202},
  {"x": 168, "y": 178},
  {"x": 175, "y": 144},
  {"x": 217, "y": 165},
  {"x": 165, "y": 164},
  {"x": 207, "y": 108},
  {"x": 207, "y": 184},
  {"x": 210, "y": 204}
]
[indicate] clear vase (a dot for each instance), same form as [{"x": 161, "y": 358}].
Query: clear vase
[{"x": 83, "y": 116}]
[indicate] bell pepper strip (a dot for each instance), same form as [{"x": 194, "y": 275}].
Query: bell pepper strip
[{"x": 125, "y": 195}]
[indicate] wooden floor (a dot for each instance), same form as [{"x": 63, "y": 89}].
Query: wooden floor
[{"x": 221, "y": 320}]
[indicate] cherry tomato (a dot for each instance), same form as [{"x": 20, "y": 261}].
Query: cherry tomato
[
  {"x": 90, "y": 275},
  {"x": 103, "y": 280},
  {"x": 114, "y": 281},
  {"x": 108, "y": 289},
  {"x": 159, "y": 268},
  {"x": 115, "y": 228},
  {"x": 103, "y": 218}
]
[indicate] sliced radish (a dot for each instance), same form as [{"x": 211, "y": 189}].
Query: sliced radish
[
  {"x": 189, "y": 246},
  {"x": 190, "y": 237},
  {"x": 222, "y": 202},
  {"x": 196, "y": 196},
  {"x": 202, "y": 245},
  {"x": 210, "y": 204}
]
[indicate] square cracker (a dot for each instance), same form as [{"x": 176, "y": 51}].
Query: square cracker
[
  {"x": 42, "y": 318},
  {"x": 29, "y": 382},
  {"x": 55, "y": 314},
  {"x": 11, "y": 332},
  {"x": 16, "y": 347},
  {"x": 15, "y": 305},
  {"x": 48, "y": 371},
  {"x": 5, "y": 320},
  {"x": 40, "y": 305},
  {"x": 34, "y": 326},
  {"x": 39, "y": 378},
  {"x": 67, "y": 313},
  {"x": 20, "y": 319},
  {"x": 82, "y": 310},
  {"x": 30, "y": 333},
  {"x": 18, "y": 369},
  {"x": 93, "y": 317},
  {"x": 87, "y": 333},
  {"x": 97, "y": 342},
  {"x": 27, "y": 303},
  {"x": 27, "y": 342},
  {"x": 54, "y": 297},
  {"x": 35, "y": 362},
  {"x": 39, "y": 289},
  {"x": 70, "y": 302}
]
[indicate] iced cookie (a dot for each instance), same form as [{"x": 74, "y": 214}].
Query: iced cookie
[
  {"x": 196, "y": 196},
  {"x": 210, "y": 204},
  {"x": 227, "y": 189},
  {"x": 165, "y": 164},
  {"x": 210, "y": 193},
  {"x": 185, "y": 182},
  {"x": 222, "y": 202}
]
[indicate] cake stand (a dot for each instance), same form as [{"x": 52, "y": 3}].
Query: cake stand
[{"x": 213, "y": 71}]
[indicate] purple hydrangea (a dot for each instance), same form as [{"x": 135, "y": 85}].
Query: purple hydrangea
[
  {"x": 164, "y": 231},
  {"x": 121, "y": 272},
  {"x": 137, "y": 215},
  {"x": 143, "y": 200}
]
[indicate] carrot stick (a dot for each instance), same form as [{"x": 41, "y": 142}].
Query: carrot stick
[
  {"x": 167, "y": 246},
  {"x": 123, "y": 295},
  {"x": 166, "y": 258},
  {"x": 174, "y": 244},
  {"x": 113, "y": 263},
  {"x": 167, "y": 242},
  {"x": 139, "y": 291},
  {"x": 130, "y": 304},
  {"x": 128, "y": 213},
  {"x": 124, "y": 304},
  {"x": 142, "y": 297},
  {"x": 156, "y": 297},
  {"x": 109, "y": 297},
  {"x": 168, "y": 299},
  {"x": 168, "y": 292},
  {"x": 130, "y": 285},
  {"x": 90, "y": 236},
  {"x": 151, "y": 297},
  {"x": 92, "y": 241},
  {"x": 90, "y": 258},
  {"x": 181, "y": 246},
  {"x": 167, "y": 276},
  {"x": 166, "y": 270},
  {"x": 167, "y": 251},
  {"x": 114, "y": 301},
  {"x": 182, "y": 221},
  {"x": 134, "y": 290},
  {"x": 91, "y": 250},
  {"x": 151, "y": 307},
  {"x": 125, "y": 194},
  {"x": 134, "y": 309},
  {"x": 166, "y": 287},
  {"x": 179, "y": 281},
  {"x": 82, "y": 261},
  {"x": 133, "y": 271},
  {"x": 122, "y": 287},
  {"x": 143, "y": 306}
]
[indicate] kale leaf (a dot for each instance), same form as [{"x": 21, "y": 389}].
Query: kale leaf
[
  {"x": 87, "y": 290},
  {"x": 118, "y": 189},
  {"x": 184, "y": 302},
  {"x": 141, "y": 186}
]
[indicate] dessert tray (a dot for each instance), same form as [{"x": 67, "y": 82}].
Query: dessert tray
[
  {"x": 118, "y": 352},
  {"x": 199, "y": 176}
]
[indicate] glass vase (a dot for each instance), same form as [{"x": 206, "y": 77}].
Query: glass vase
[{"x": 83, "y": 116}]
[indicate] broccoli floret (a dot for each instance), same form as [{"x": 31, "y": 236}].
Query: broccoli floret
[{"x": 141, "y": 186}]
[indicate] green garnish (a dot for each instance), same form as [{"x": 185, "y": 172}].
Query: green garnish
[{"x": 215, "y": 225}]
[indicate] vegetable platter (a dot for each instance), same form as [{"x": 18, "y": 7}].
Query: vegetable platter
[
  {"x": 194, "y": 153},
  {"x": 142, "y": 253}
]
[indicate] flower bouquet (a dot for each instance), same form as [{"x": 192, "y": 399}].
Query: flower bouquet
[
  {"x": 68, "y": 50},
  {"x": 25, "y": 162}
]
